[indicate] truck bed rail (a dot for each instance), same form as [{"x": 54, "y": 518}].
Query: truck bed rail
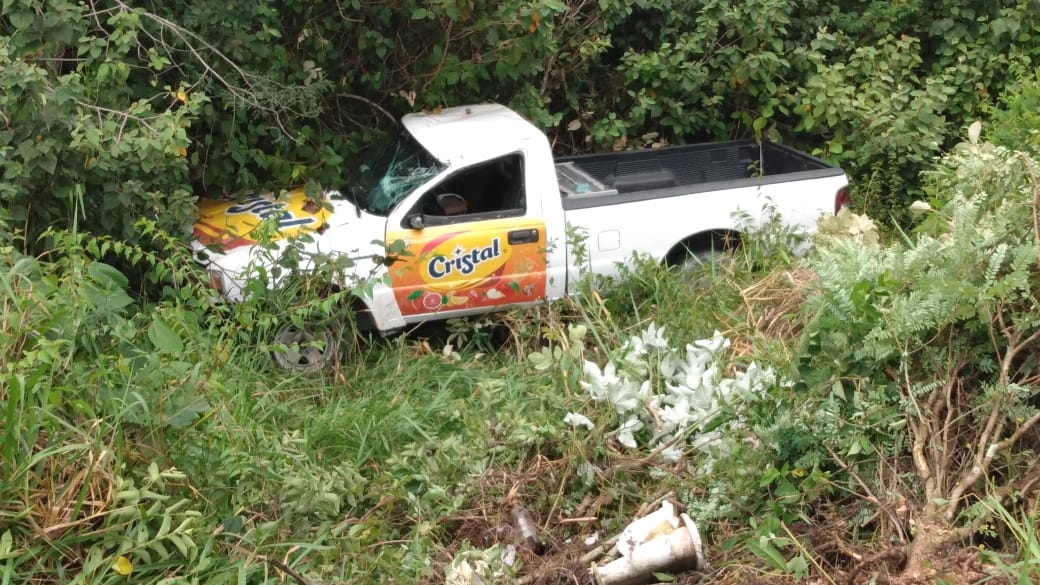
[{"x": 601, "y": 179}]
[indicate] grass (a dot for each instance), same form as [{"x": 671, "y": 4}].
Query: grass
[
  {"x": 156, "y": 439},
  {"x": 1020, "y": 526},
  {"x": 177, "y": 451}
]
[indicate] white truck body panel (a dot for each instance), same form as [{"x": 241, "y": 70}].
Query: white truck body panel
[
  {"x": 616, "y": 232},
  {"x": 467, "y": 135}
]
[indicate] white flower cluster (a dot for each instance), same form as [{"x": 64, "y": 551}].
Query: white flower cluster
[{"x": 673, "y": 393}]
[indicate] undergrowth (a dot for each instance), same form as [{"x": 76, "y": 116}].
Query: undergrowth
[
  {"x": 151, "y": 438},
  {"x": 772, "y": 399}
]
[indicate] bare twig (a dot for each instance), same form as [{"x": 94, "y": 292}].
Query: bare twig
[
  {"x": 381, "y": 109},
  {"x": 882, "y": 507},
  {"x": 577, "y": 520},
  {"x": 990, "y": 444},
  {"x": 977, "y": 471},
  {"x": 343, "y": 15},
  {"x": 273, "y": 562},
  {"x": 125, "y": 115},
  {"x": 444, "y": 55},
  {"x": 805, "y": 553},
  {"x": 195, "y": 45},
  {"x": 893, "y": 556}
]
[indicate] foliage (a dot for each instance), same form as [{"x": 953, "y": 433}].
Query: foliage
[
  {"x": 940, "y": 328},
  {"x": 671, "y": 400},
  {"x": 143, "y": 435},
  {"x": 119, "y": 113},
  {"x": 1016, "y": 124},
  {"x": 886, "y": 98},
  {"x": 1025, "y": 566},
  {"x": 93, "y": 123},
  {"x": 85, "y": 379},
  {"x": 156, "y": 443}
]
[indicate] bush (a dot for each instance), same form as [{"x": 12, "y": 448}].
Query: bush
[{"x": 927, "y": 341}]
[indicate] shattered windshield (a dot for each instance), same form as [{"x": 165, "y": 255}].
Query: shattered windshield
[{"x": 390, "y": 170}]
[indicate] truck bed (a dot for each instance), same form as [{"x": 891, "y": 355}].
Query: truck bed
[{"x": 605, "y": 179}]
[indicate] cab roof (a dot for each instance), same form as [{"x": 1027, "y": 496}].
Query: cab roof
[{"x": 465, "y": 135}]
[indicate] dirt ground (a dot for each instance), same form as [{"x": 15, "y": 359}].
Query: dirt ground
[
  {"x": 563, "y": 548},
  {"x": 551, "y": 562}
]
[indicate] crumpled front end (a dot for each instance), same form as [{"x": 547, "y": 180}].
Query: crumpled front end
[
  {"x": 228, "y": 224},
  {"x": 226, "y": 231}
]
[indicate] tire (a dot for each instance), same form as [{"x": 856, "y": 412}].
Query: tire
[
  {"x": 306, "y": 350},
  {"x": 704, "y": 258}
]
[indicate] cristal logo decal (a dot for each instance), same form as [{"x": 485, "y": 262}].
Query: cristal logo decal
[
  {"x": 230, "y": 225},
  {"x": 265, "y": 209},
  {"x": 463, "y": 261}
]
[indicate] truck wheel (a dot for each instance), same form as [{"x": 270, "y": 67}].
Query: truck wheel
[
  {"x": 697, "y": 258},
  {"x": 309, "y": 349},
  {"x": 711, "y": 249},
  {"x": 700, "y": 258}
]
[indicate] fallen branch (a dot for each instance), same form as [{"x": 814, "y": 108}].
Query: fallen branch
[{"x": 273, "y": 562}]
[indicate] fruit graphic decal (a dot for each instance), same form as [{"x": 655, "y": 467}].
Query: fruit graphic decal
[{"x": 452, "y": 267}]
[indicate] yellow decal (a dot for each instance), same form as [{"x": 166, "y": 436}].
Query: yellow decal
[
  {"x": 461, "y": 259},
  {"x": 450, "y": 268},
  {"x": 230, "y": 224}
]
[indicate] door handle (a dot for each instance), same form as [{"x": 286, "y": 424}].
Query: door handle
[{"x": 523, "y": 236}]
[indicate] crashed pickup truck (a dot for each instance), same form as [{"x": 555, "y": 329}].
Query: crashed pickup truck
[{"x": 484, "y": 212}]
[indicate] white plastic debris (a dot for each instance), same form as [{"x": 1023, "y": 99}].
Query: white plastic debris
[
  {"x": 658, "y": 542},
  {"x": 639, "y": 531}
]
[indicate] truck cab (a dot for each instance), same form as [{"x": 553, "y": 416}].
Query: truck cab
[
  {"x": 470, "y": 192},
  {"x": 481, "y": 234}
]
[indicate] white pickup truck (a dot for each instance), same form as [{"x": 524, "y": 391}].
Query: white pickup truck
[{"x": 484, "y": 210}]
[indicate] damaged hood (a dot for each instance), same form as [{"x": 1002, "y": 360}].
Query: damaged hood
[{"x": 233, "y": 223}]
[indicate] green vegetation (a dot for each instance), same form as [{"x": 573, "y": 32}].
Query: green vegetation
[
  {"x": 867, "y": 412},
  {"x": 114, "y": 112}
]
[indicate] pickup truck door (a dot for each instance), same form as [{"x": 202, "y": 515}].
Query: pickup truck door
[{"x": 469, "y": 245}]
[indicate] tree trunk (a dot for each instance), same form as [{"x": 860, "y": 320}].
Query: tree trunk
[{"x": 933, "y": 538}]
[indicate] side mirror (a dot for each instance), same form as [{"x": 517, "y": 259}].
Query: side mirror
[{"x": 416, "y": 222}]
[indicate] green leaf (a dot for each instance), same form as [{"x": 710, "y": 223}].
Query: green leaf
[
  {"x": 233, "y": 524},
  {"x": 20, "y": 19},
  {"x": 106, "y": 300},
  {"x": 163, "y": 337},
  {"x": 107, "y": 275},
  {"x": 186, "y": 410},
  {"x": 798, "y": 566},
  {"x": 541, "y": 360},
  {"x": 415, "y": 294},
  {"x": 768, "y": 553},
  {"x": 769, "y": 477}
]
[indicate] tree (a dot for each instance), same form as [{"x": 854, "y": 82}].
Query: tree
[{"x": 93, "y": 134}]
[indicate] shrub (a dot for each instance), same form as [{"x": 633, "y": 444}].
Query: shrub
[{"x": 927, "y": 341}]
